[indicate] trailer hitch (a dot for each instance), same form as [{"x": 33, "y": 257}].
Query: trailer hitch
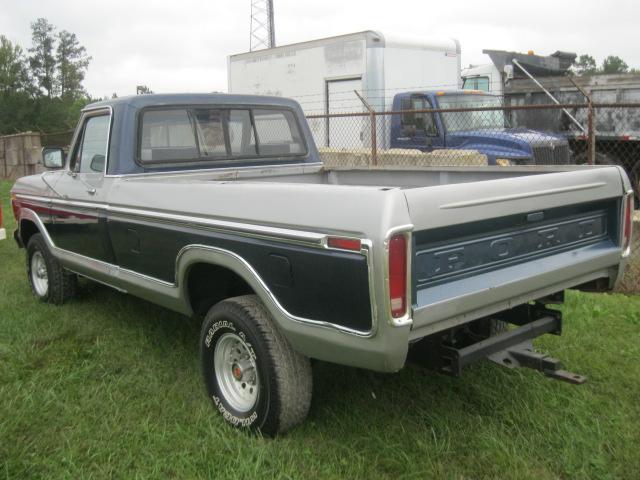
[
  {"x": 511, "y": 348},
  {"x": 524, "y": 355}
]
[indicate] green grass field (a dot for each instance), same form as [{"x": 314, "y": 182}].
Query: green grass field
[{"x": 109, "y": 386}]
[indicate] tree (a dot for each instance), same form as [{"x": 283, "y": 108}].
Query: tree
[
  {"x": 16, "y": 100},
  {"x": 42, "y": 60},
  {"x": 143, "y": 90},
  {"x": 72, "y": 62},
  {"x": 14, "y": 76},
  {"x": 614, "y": 64},
  {"x": 585, "y": 65}
]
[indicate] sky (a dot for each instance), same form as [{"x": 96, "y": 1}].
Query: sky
[{"x": 182, "y": 45}]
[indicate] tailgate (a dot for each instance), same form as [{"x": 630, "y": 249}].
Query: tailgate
[{"x": 479, "y": 248}]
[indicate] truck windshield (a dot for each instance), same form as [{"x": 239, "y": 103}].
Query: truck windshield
[{"x": 481, "y": 120}]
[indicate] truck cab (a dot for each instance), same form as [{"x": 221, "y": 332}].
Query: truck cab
[
  {"x": 486, "y": 78},
  {"x": 486, "y": 131}
]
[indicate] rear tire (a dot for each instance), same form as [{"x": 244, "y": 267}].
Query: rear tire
[
  {"x": 254, "y": 377},
  {"x": 49, "y": 282}
]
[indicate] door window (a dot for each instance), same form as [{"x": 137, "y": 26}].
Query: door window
[
  {"x": 423, "y": 123},
  {"x": 92, "y": 155}
]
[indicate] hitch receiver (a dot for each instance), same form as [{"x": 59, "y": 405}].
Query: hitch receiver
[{"x": 512, "y": 348}]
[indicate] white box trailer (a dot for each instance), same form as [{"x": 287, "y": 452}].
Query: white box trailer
[{"x": 323, "y": 74}]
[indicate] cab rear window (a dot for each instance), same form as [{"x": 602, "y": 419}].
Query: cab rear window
[{"x": 202, "y": 134}]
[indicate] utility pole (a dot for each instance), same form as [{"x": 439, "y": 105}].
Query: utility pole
[{"x": 262, "y": 31}]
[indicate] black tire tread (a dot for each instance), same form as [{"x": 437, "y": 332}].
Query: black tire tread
[{"x": 292, "y": 370}]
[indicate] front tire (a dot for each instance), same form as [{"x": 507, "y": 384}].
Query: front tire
[
  {"x": 49, "y": 282},
  {"x": 254, "y": 377}
]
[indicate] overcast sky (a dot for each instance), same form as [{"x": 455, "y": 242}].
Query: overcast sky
[{"x": 182, "y": 45}]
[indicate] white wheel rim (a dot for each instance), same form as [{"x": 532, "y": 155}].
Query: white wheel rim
[
  {"x": 39, "y": 276},
  {"x": 236, "y": 372}
]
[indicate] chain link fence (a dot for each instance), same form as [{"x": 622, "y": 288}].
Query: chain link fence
[{"x": 500, "y": 135}]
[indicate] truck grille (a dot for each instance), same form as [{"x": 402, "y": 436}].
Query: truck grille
[{"x": 551, "y": 154}]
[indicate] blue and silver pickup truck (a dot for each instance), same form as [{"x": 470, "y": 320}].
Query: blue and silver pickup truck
[
  {"x": 218, "y": 206},
  {"x": 485, "y": 131}
]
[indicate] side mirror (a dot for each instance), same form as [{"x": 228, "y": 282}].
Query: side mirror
[
  {"x": 52, "y": 158},
  {"x": 97, "y": 163}
]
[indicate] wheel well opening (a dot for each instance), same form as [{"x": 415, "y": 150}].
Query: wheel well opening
[
  {"x": 209, "y": 284},
  {"x": 27, "y": 230}
]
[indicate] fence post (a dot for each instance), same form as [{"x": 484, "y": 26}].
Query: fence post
[
  {"x": 374, "y": 135},
  {"x": 591, "y": 134}
]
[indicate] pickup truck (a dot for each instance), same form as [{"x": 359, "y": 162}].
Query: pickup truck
[
  {"x": 217, "y": 206},
  {"x": 484, "y": 131}
]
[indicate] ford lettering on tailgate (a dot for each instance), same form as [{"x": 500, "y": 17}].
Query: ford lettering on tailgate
[{"x": 477, "y": 254}]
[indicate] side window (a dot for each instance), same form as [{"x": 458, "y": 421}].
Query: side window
[
  {"x": 210, "y": 132},
  {"x": 241, "y": 136},
  {"x": 277, "y": 132},
  {"x": 483, "y": 84},
  {"x": 408, "y": 117},
  {"x": 469, "y": 83},
  {"x": 167, "y": 135},
  {"x": 418, "y": 103},
  {"x": 421, "y": 122},
  {"x": 92, "y": 154}
]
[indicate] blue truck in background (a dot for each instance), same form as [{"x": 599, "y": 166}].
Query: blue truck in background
[{"x": 487, "y": 131}]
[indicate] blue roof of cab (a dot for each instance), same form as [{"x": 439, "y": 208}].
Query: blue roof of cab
[{"x": 159, "y": 99}]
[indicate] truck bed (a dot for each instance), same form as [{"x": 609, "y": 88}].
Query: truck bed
[
  {"x": 509, "y": 236},
  {"x": 383, "y": 177}
]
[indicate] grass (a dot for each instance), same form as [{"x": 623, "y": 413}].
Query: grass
[{"x": 109, "y": 386}]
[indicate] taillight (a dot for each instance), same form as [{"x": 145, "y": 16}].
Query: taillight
[
  {"x": 398, "y": 275},
  {"x": 627, "y": 223}
]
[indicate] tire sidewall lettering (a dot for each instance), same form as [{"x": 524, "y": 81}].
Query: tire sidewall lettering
[
  {"x": 236, "y": 419},
  {"x": 217, "y": 326},
  {"x": 231, "y": 418}
]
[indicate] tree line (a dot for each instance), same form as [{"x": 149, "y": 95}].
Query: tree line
[
  {"x": 41, "y": 88},
  {"x": 586, "y": 65}
]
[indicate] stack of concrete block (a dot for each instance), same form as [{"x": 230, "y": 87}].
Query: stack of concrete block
[
  {"x": 20, "y": 155},
  {"x": 361, "y": 157}
]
